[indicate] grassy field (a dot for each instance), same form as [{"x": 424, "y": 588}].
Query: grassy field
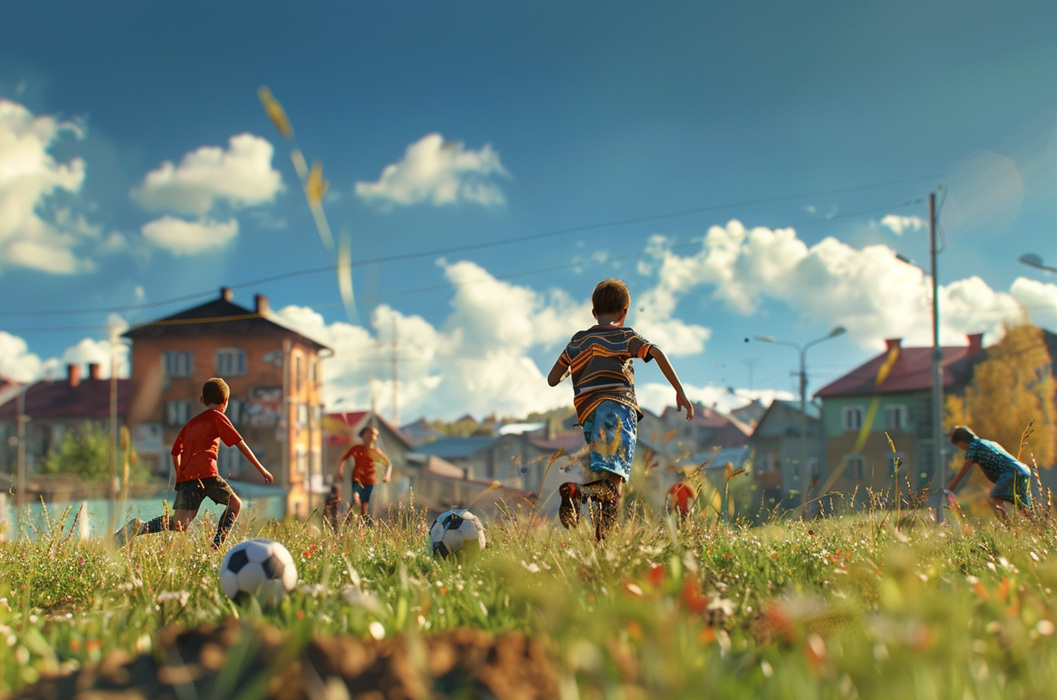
[{"x": 848, "y": 607}]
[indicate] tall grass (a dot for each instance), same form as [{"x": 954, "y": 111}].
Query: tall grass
[{"x": 842, "y": 607}]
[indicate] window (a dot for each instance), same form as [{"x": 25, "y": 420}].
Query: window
[
  {"x": 229, "y": 460},
  {"x": 231, "y": 362},
  {"x": 178, "y": 363},
  {"x": 177, "y": 412},
  {"x": 302, "y": 415},
  {"x": 855, "y": 467},
  {"x": 297, "y": 373},
  {"x": 852, "y": 417},
  {"x": 302, "y": 460},
  {"x": 313, "y": 371},
  {"x": 812, "y": 467},
  {"x": 237, "y": 412},
  {"x": 896, "y": 417}
]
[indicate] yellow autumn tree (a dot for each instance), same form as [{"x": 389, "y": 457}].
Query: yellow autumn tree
[{"x": 1012, "y": 387}]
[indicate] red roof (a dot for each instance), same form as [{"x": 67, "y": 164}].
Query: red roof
[
  {"x": 57, "y": 399},
  {"x": 353, "y": 419},
  {"x": 912, "y": 371}
]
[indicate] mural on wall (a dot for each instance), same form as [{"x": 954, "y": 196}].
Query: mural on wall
[{"x": 265, "y": 407}]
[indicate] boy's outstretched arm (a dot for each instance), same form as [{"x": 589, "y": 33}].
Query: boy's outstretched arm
[
  {"x": 248, "y": 454},
  {"x": 558, "y": 372},
  {"x": 960, "y": 475},
  {"x": 669, "y": 373}
]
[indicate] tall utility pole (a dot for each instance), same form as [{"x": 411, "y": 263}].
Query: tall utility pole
[
  {"x": 113, "y": 428},
  {"x": 396, "y": 387},
  {"x": 21, "y": 418},
  {"x": 937, "y": 364}
]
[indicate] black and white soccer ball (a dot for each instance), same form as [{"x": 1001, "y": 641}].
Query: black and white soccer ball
[
  {"x": 456, "y": 530},
  {"x": 258, "y": 567}
]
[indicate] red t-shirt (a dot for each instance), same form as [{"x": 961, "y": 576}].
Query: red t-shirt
[
  {"x": 682, "y": 495},
  {"x": 198, "y": 443},
  {"x": 364, "y": 469}
]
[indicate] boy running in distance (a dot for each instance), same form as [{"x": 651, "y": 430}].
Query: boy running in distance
[
  {"x": 1012, "y": 478},
  {"x": 365, "y": 469},
  {"x": 599, "y": 360},
  {"x": 194, "y": 457}
]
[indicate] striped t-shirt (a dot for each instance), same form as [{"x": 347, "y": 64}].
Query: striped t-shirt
[{"x": 600, "y": 362}]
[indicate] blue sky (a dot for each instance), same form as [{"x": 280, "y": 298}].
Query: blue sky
[{"x": 824, "y": 117}]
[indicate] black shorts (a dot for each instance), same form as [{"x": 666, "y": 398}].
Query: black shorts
[{"x": 191, "y": 493}]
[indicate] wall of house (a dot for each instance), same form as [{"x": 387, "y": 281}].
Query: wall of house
[
  {"x": 898, "y": 415},
  {"x": 284, "y": 432}
]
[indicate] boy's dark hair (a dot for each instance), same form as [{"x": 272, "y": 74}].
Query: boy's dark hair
[
  {"x": 366, "y": 428},
  {"x": 215, "y": 391},
  {"x": 962, "y": 434},
  {"x": 610, "y": 297}
]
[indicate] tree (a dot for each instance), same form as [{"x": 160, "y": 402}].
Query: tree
[
  {"x": 1012, "y": 387},
  {"x": 85, "y": 452}
]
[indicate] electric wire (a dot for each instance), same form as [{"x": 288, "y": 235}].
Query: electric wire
[{"x": 437, "y": 252}]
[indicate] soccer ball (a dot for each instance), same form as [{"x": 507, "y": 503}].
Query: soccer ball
[
  {"x": 456, "y": 530},
  {"x": 258, "y": 567}
]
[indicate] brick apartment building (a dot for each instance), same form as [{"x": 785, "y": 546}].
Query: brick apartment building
[{"x": 276, "y": 380}]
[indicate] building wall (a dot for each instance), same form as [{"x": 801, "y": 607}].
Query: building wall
[
  {"x": 898, "y": 415},
  {"x": 277, "y": 413}
]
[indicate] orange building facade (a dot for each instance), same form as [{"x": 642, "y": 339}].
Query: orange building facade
[{"x": 276, "y": 380}]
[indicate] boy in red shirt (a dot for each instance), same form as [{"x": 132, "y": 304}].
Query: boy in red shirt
[
  {"x": 194, "y": 457},
  {"x": 364, "y": 468}
]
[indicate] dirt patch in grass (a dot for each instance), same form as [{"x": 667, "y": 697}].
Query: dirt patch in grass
[{"x": 235, "y": 659}]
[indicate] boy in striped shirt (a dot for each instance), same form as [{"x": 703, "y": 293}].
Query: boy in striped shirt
[{"x": 599, "y": 361}]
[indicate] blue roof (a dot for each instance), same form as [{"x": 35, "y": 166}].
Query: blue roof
[{"x": 455, "y": 447}]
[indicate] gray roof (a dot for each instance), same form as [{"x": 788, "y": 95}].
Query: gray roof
[{"x": 455, "y": 447}]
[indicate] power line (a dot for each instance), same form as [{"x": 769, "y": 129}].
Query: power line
[{"x": 493, "y": 244}]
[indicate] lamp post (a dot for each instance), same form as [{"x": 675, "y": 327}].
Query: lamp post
[
  {"x": 802, "y": 351},
  {"x": 1032, "y": 260}
]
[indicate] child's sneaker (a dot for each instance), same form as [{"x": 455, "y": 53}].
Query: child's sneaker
[
  {"x": 130, "y": 530},
  {"x": 569, "y": 510}
]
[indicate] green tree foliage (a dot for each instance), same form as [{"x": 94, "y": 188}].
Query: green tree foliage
[
  {"x": 85, "y": 452},
  {"x": 1012, "y": 387}
]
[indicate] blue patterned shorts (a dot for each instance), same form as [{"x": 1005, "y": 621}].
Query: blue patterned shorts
[
  {"x": 610, "y": 430},
  {"x": 1015, "y": 487}
]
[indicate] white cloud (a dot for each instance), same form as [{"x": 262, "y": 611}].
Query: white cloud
[
  {"x": 868, "y": 291},
  {"x": 190, "y": 237},
  {"x": 476, "y": 361},
  {"x": 1039, "y": 298},
  {"x": 16, "y": 361},
  {"x": 89, "y": 351},
  {"x": 899, "y": 224},
  {"x": 30, "y": 235},
  {"x": 439, "y": 172},
  {"x": 21, "y": 365},
  {"x": 242, "y": 176}
]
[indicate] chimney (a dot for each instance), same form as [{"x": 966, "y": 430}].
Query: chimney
[
  {"x": 93, "y": 370},
  {"x": 893, "y": 343},
  {"x": 73, "y": 374},
  {"x": 262, "y": 305},
  {"x": 976, "y": 343},
  {"x": 226, "y": 294}
]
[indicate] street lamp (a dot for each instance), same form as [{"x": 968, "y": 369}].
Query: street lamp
[
  {"x": 802, "y": 350},
  {"x": 1033, "y": 260}
]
